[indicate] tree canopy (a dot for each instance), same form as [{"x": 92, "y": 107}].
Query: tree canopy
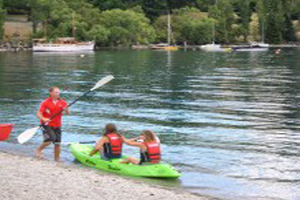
[
  {"x": 2, "y": 18},
  {"x": 125, "y": 22}
]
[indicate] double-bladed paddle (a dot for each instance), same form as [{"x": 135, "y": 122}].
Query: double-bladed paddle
[{"x": 69, "y": 143}]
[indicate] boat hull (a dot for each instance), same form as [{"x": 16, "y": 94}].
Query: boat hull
[
  {"x": 252, "y": 49},
  {"x": 214, "y": 48},
  {"x": 218, "y": 50},
  {"x": 170, "y": 48},
  {"x": 5, "y": 130},
  {"x": 63, "y": 47},
  {"x": 162, "y": 170}
]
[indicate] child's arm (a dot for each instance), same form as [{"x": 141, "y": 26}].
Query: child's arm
[
  {"x": 132, "y": 141},
  {"x": 98, "y": 147}
]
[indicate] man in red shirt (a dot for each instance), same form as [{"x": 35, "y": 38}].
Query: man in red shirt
[{"x": 51, "y": 127}]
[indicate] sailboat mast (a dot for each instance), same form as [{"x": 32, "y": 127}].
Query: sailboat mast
[
  {"x": 213, "y": 32},
  {"x": 169, "y": 28},
  {"x": 262, "y": 32},
  {"x": 73, "y": 25}
]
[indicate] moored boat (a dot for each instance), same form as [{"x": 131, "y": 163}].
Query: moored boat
[
  {"x": 163, "y": 46},
  {"x": 167, "y": 46},
  {"x": 5, "y": 130},
  {"x": 214, "y": 48},
  {"x": 68, "y": 44},
  {"x": 253, "y": 47}
]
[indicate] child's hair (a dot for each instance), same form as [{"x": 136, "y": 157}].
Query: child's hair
[
  {"x": 149, "y": 136},
  {"x": 110, "y": 128}
]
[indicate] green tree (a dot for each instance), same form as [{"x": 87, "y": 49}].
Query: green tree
[
  {"x": 99, "y": 34},
  {"x": 2, "y": 19},
  {"x": 155, "y": 8},
  {"x": 222, "y": 11},
  {"x": 127, "y": 27},
  {"x": 273, "y": 21},
  {"x": 64, "y": 18},
  {"x": 85, "y": 12},
  {"x": 108, "y": 4},
  {"x": 203, "y": 5},
  {"x": 297, "y": 12},
  {"x": 275, "y": 16},
  {"x": 188, "y": 25},
  {"x": 244, "y": 13},
  {"x": 289, "y": 31},
  {"x": 115, "y": 22},
  {"x": 39, "y": 13},
  {"x": 16, "y": 6}
]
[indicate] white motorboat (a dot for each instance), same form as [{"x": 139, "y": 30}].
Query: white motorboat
[
  {"x": 253, "y": 47},
  {"x": 62, "y": 45}
]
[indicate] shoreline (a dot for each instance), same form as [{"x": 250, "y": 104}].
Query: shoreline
[
  {"x": 145, "y": 47},
  {"x": 25, "y": 177}
]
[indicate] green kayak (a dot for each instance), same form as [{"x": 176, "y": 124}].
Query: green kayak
[{"x": 162, "y": 170}]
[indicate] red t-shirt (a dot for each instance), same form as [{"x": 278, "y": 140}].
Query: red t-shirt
[{"x": 48, "y": 109}]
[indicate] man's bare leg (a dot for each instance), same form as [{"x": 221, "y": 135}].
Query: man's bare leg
[
  {"x": 39, "y": 150},
  {"x": 57, "y": 152}
]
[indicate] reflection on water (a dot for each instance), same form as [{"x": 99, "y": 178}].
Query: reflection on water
[{"x": 229, "y": 121}]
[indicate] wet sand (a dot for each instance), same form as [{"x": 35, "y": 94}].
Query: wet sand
[{"x": 24, "y": 177}]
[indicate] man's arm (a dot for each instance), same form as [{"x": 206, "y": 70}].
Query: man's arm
[
  {"x": 40, "y": 116},
  {"x": 67, "y": 110}
]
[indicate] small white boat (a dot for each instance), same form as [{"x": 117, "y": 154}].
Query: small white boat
[
  {"x": 164, "y": 46},
  {"x": 214, "y": 48},
  {"x": 62, "y": 45},
  {"x": 254, "y": 47}
]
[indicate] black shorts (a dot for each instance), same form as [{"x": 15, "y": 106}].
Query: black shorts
[{"x": 51, "y": 134}]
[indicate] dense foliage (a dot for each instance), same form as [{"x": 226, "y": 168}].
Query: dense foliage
[
  {"x": 2, "y": 18},
  {"x": 126, "y": 22}
]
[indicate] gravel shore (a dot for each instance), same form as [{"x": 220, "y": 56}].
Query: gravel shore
[{"x": 28, "y": 178}]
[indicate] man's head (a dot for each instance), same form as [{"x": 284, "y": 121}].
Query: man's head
[{"x": 54, "y": 92}]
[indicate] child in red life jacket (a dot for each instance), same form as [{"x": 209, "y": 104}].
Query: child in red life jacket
[
  {"x": 110, "y": 145},
  {"x": 149, "y": 147}
]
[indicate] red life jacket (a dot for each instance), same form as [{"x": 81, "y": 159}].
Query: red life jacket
[
  {"x": 153, "y": 152},
  {"x": 116, "y": 144}
]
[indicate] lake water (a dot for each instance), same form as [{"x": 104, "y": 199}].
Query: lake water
[{"x": 228, "y": 121}]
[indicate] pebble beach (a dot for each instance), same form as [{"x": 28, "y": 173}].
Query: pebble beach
[{"x": 28, "y": 178}]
